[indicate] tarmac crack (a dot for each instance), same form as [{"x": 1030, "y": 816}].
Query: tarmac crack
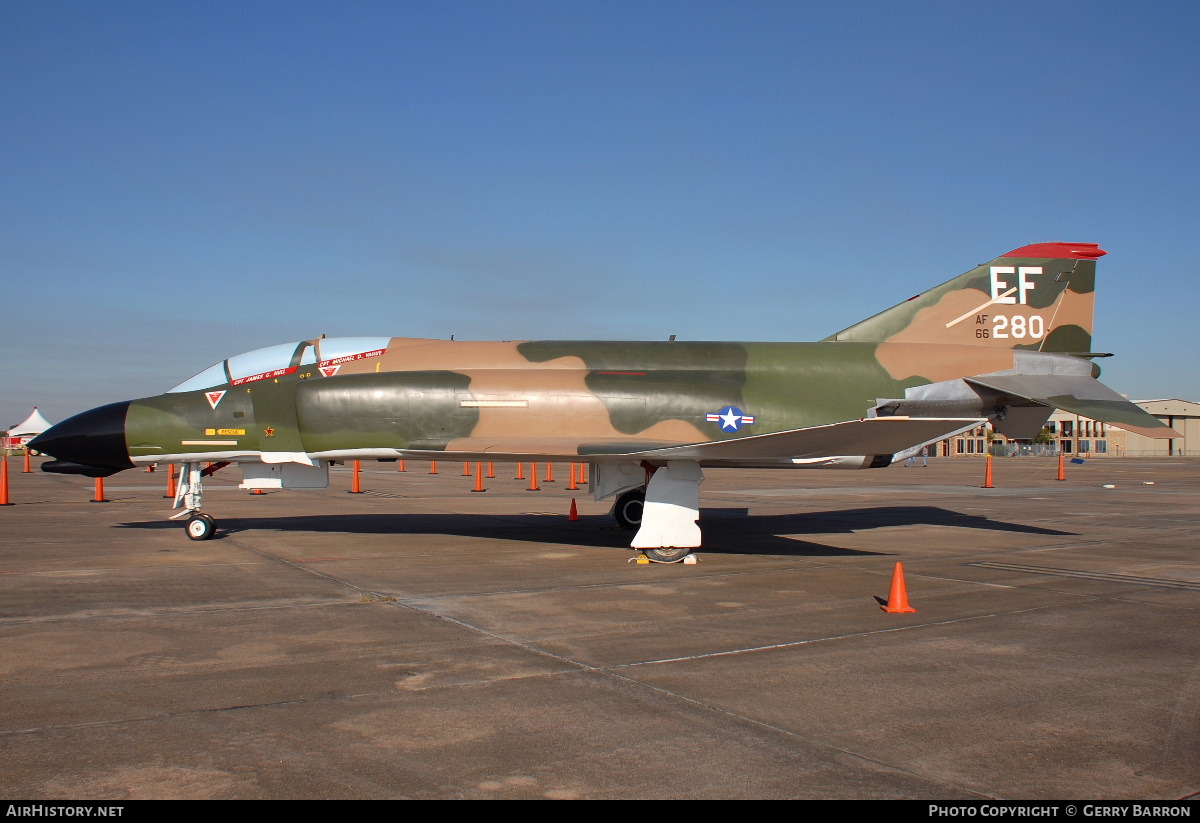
[
  {"x": 851, "y": 636},
  {"x": 771, "y": 727}
]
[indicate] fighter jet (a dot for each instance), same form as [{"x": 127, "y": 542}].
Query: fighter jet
[{"x": 1007, "y": 342}]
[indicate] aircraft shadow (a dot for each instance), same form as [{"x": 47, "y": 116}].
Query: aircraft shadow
[
  {"x": 845, "y": 521},
  {"x": 726, "y": 531}
]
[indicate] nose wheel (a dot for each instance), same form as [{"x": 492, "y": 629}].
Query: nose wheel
[{"x": 200, "y": 526}]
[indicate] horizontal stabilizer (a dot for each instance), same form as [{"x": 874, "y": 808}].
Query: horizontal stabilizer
[
  {"x": 1079, "y": 395},
  {"x": 872, "y": 436}
]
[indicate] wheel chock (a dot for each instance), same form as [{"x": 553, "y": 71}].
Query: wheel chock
[{"x": 642, "y": 560}]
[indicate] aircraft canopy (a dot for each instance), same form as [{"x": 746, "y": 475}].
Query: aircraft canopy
[{"x": 279, "y": 360}]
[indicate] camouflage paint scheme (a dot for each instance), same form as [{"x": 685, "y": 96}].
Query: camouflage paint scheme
[{"x": 604, "y": 400}]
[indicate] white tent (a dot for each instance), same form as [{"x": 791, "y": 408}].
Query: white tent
[{"x": 34, "y": 425}]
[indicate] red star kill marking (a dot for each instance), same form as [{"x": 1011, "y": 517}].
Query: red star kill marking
[{"x": 269, "y": 432}]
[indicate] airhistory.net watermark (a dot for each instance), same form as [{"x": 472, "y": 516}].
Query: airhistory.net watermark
[{"x": 49, "y": 810}]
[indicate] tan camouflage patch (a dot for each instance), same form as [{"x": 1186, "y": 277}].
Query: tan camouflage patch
[
  {"x": 520, "y": 403},
  {"x": 1072, "y": 309},
  {"x": 939, "y": 361}
]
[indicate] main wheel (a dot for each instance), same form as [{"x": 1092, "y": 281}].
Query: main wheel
[
  {"x": 666, "y": 555},
  {"x": 628, "y": 509},
  {"x": 200, "y": 527}
]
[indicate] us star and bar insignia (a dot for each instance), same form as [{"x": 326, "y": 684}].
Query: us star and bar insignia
[{"x": 731, "y": 418}]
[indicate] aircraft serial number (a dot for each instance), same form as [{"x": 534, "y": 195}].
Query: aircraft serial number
[{"x": 1018, "y": 327}]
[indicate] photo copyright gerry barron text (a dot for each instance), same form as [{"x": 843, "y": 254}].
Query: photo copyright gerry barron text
[{"x": 1005, "y": 810}]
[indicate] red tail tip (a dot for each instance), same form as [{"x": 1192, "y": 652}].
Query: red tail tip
[{"x": 1060, "y": 251}]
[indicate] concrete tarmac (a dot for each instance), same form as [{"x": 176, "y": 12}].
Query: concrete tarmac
[{"x": 418, "y": 640}]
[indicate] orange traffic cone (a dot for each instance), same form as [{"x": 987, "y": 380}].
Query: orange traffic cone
[
  {"x": 478, "y": 478},
  {"x": 4, "y": 501},
  {"x": 897, "y": 602},
  {"x": 574, "y": 510},
  {"x": 987, "y": 474},
  {"x": 1062, "y": 474}
]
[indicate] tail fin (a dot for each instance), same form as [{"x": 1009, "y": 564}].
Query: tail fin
[{"x": 1037, "y": 297}]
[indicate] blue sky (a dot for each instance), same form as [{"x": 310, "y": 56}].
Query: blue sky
[{"x": 181, "y": 182}]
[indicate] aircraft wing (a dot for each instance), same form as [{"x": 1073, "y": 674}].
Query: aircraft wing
[
  {"x": 1079, "y": 395},
  {"x": 871, "y": 436}
]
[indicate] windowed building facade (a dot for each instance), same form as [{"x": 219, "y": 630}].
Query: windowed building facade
[{"x": 1078, "y": 436}]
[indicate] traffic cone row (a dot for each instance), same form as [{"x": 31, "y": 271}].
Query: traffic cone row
[{"x": 356, "y": 483}]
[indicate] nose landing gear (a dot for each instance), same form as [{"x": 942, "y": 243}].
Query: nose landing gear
[{"x": 190, "y": 495}]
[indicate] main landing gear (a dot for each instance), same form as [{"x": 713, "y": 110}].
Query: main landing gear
[
  {"x": 628, "y": 512},
  {"x": 664, "y": 511}
]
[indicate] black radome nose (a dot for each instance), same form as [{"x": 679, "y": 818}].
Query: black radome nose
[{"x": 94, "y": 439}]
